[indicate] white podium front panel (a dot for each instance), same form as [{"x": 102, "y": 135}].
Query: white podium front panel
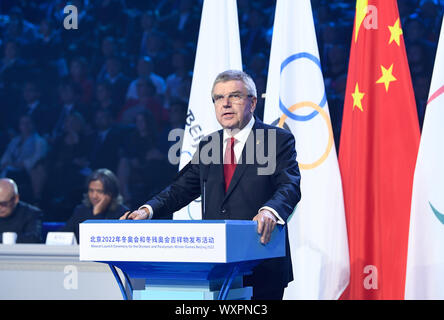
[
  {"x": 215, "y": 241},
  {"x": 42, "y": 272},
  {"x": 162, "y": 242}
]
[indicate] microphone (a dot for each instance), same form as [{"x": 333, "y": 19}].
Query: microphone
[{"x": 205, "y": 170}]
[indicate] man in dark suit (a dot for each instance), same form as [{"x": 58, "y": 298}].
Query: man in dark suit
[
  {"x": 18, "y": 216},
  {"x": 242, "y": 186}
]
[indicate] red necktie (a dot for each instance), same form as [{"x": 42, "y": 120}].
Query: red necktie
[{"x": 229, "y": 162}]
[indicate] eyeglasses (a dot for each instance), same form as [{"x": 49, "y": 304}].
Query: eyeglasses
[
  {"x": 7, "y": 203},
  {"x": 234, "y": 97}
]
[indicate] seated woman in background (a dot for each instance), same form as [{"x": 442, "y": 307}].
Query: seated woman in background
[{"x": 103, "y": 201}]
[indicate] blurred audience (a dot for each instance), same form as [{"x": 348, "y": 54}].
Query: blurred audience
[
  {"x": 68, "y": 163},
  {"x": 178, "y": 81},
  {"x": 143, "y": 162},
  {"x": 146, "y": 100},
  {"x": 24, "y": 157},
  {"x": 48, "y": 53},
  {"x": 106, "y": 95},
  {"x": 115, "y": 76},
  {"x": 105, "y": 142},
  {"x": 104, "y": 99},
  {"x": 108, "y": 49},
  {"x": 68, "y": 102},
  {"x": 145, "y": 70},
  {"x": 78, "y": 74},
  {"x": 12, "y": 74},
  {"x": 33, "y": 105}
]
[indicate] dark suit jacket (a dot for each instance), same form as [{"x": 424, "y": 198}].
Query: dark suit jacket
[
  {"x": 247, "y": 193},
  {"x": 26, "y": 221}
]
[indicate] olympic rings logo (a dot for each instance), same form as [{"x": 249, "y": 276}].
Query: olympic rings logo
[{"x": 318, "y": 109}]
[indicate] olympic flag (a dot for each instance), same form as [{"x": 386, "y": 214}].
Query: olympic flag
[
  {"x": 296, "y": 99},
  {"x": 218, "y": 49},
  {"x": 425, "y": 257}
]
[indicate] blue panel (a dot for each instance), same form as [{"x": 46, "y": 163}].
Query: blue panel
[
  {"x": 243, "y": 241},
  {"x": 182, "y": 270},
  {"x": 172, "y": 293},
  {"x": 227, "y": 222},
  {"x": 150, "y": 294}
]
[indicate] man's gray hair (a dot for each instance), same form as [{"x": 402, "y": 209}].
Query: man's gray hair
[{"x": 231, "y": 75}]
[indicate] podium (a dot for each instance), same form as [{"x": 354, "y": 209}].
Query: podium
[{"x": 179, "y": 260}]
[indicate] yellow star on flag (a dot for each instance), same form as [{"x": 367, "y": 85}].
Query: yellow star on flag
[
  {"x": 357, "y": 98},
  {"x": 387, "y": 77},
  {"x": 361, "y": 12},
  {"x": 395, "y": 32}
]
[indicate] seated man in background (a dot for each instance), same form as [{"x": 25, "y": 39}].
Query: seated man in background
[
  {"x": 102, "y": 201},
  {"x": 18, "y": 216}
]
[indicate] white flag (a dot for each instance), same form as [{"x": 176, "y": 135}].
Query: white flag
[
  {"x": 296, "y": 99},
  {"x": 218, "y": 49},
  {"x": 425, "y": 258}
]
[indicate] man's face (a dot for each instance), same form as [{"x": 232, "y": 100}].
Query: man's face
[
  {"x": 8, "y": 201},
  {"x": 234, "y": 108},
  {"x": 95, "y": 192}
]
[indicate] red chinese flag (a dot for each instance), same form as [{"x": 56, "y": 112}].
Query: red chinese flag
[{"x": 378, "y": 148}]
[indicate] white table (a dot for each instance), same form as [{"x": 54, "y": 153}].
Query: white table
[{"x": 42, "y": 272}]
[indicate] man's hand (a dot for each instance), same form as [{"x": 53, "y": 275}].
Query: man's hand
[
  {"x": 140, "y": 214},
  {"x": 266, "y": 221},
  {"x": 102, "y": 205}
]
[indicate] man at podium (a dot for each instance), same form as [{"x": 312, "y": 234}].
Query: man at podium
[{"x": 229, "y": 171}]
